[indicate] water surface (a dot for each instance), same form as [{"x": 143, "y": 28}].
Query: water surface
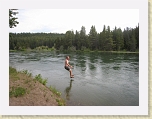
[{"x": 101, "y": 79}]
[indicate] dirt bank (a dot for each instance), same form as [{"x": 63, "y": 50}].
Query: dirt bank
[{"x": 26, "y": 91}]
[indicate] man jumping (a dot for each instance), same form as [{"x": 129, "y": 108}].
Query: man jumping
[{"x": 68, "y": 66}]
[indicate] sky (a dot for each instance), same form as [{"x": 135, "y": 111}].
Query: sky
[{"x": 62, "y": 20}]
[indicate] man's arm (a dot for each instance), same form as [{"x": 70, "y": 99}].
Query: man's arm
[{"x": 69, "y": 64}]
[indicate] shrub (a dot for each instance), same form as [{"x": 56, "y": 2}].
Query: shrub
[
  {"x": 60, "y": 102},
  {"x": 54, "y": 91},
  {"x": 61, "y": 48},
  {"x": 40, "y": 79},
  {"x": 44, "y": 82},
  {"x": 83, "y": 48},
  {"x": 72, "y": 48},
  {"x": 12, "y": 70},
  {"x": 27, "y": 73},
  {"x": 19, "y": 91}
]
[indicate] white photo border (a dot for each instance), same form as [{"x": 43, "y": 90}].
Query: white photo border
[{"x": 142, "y": 109}]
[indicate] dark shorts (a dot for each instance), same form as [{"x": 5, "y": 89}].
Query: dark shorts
[{"x": 67, "y": 68}]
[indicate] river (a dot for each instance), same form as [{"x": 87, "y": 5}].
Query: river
[{"x": 100, "y": 79}]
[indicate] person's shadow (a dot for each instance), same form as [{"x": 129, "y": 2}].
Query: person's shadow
[{"x": 67, "y": 90}]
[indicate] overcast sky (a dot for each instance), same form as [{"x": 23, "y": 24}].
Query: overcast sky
[{"x": 62, "y": 20}]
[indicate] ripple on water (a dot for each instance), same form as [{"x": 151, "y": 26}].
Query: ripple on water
[{"x": 100, "y": 79}]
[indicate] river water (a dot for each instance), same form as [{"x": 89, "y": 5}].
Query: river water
[{"x": 100, "y": 79}]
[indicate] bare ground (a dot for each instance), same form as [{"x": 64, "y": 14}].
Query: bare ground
[{"x": 36, "y": 94}]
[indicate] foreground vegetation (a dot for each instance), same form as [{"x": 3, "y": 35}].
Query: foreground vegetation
[{"x": 28, "y": 91}]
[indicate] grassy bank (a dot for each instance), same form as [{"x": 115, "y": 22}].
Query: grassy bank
[
  {"x": 117, "y": 51},
  {"x": 26, "y": 90},
  {"x": 50, "y": 49}
]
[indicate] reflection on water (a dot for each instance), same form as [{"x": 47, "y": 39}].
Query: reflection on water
[
  {"x": 67, "y": 90},
  {"x": 101, "y": 79}
]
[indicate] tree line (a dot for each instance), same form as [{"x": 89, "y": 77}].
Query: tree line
[{"x": 106, "y": 40}]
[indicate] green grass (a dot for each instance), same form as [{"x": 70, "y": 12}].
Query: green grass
[
  {"x": 12, "y": 50},
  {"x": 115, "y": 51},
  {"x": 55, "y": 91},
  {"x": 60, "y": 102},
  {"x": 12, "y": 71},
  {"x": 40, "y": 79},
  {"x": 19, "y": 91},
  {"x": 27, "y": 73}
]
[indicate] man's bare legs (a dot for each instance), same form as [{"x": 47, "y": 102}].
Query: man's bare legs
[{"x": 71, "y": 75}]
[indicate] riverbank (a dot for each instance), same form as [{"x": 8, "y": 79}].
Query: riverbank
[
  {"x": 24, "y": 90},
  {"x": 137, "y": 52}
]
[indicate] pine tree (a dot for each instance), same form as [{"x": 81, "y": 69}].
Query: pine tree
[
  {"x": 109, "y": 40},
  {"x": 93, "y": 37},
  {"x": 83, "y": 36},
  {"x": 69, "y": 38},
  {"x": 77, "y": 40},
  {"x": 137, "y": 37},
  {"x": 12, "y": 20},
  {"x": 133, "y": 42}
]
